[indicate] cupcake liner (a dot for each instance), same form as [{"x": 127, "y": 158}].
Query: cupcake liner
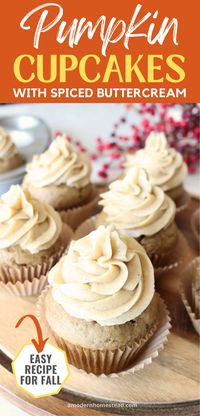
[
  {"x": 30, "y": 280},
  {"x": 26, "y": 288},
  {"x": 195, "y": 224},
  {"x": 161, "y": 263},
  {"x": 182, "y": 202},
  {"x": 189, "y": 298},
  {"x": 107, "y": 363},
  {"x": 75, "y": 216}
]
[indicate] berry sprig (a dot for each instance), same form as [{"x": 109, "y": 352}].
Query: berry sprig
[{"x": 182, "y": 134}]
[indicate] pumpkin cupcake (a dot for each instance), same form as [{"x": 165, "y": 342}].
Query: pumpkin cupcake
[
  {"x": 32, "y": 237},
  {"x": 164, "y": 165},
  {"x": 9, "y": 157},
  {"x": 61, "y": 177},
  {"x": 143, "y": 211},
  {"x": 100, "y": 305}
]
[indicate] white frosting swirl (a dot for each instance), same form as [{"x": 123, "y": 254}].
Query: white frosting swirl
[
  {"x": 27, "y": 222},
  {"x": 7, "y": 147},
  {"x": 60, "y": 164},
  {"x": 164, "y": 164},
  {"x": 132, "y": 203},
  {"x": 105, "y": 277}
]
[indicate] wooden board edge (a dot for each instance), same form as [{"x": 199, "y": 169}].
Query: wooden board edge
[{"x": 66, "y": 396}]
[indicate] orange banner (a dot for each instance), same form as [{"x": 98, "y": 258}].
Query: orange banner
[{"x": 101, "y": 51}]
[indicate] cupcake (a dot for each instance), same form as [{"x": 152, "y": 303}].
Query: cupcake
[
  {"x": 61, "y": 177},
  {"x": 100, "y": 305},
  {"x": 143, "y": 211},
  {"x": 165, "y": 166},
  {"x": 31, "y": 236},
  {"x": 9, "y": 157}
]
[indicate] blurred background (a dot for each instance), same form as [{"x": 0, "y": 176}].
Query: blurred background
[{"x": 106, "y": 131}]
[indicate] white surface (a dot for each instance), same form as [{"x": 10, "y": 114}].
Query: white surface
[
  {"x": 8, "y": 409},
  {"x": 81, "y": 121}
]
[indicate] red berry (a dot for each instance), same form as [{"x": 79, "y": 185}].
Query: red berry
[
  {"x": 93, "y": 156},
  {"x": 183, "y": 123},
  {"x": 102, "y": 174},
  {"x": 106, "y": 166},
  {"x": 192, "y": 169},
  {"x": 100, "y": 147},
  {"x": 82, "y": 149},
  {"x": 145, "y": 123},
  {"x": 152, "y": 111},
  {"x": 110, "y": 145},
  {"x": 115, "y": 155}
]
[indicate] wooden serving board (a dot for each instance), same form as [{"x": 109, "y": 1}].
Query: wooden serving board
[{"x": 169, "y": 386}]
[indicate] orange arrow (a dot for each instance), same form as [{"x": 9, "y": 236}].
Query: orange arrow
[{"x": 39, "y": 345}]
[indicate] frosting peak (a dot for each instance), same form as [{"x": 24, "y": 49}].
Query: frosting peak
[
  {"x": 7, "y": 147},
  {"x": 105, "y": 277},
  {"x": 134, "y": 205},
  {"x": 26, "y": 222},
  {"x": 60, "y": 164},
  {"x": 164, "y": 164}
]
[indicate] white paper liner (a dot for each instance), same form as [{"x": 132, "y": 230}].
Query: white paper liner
[
  {"x": 195, "y": 224},
  {"x": 189, "y": 299},
  {"x": 26, "y": 288},
  {"x": 172, "y": 261},
  {"x": 148, "y": 352},
  {"x": 31, "y": 280},
  {"x": 75, "y": 216}
]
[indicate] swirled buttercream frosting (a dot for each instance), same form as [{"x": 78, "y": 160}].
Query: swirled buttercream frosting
[
  {"x": 165, "y": 166},
  {"x": 133, "y": 203},
  {"x": 60, "y": 164},
  {"x": 105, "y": 277},
  {"x": 7, "y": 147},
  {"x": 26, "y": 222}
]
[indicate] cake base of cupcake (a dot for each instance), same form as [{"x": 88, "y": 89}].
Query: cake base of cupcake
[
  {"x": 103, "y": 361},
  {"x": 10, "y": 164},
  {"x": 172, "y": 259},
  {"x": 60, "y": 196},
  {"x": 29, "y": 280},
  {"x": 111, "y": 362}
]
